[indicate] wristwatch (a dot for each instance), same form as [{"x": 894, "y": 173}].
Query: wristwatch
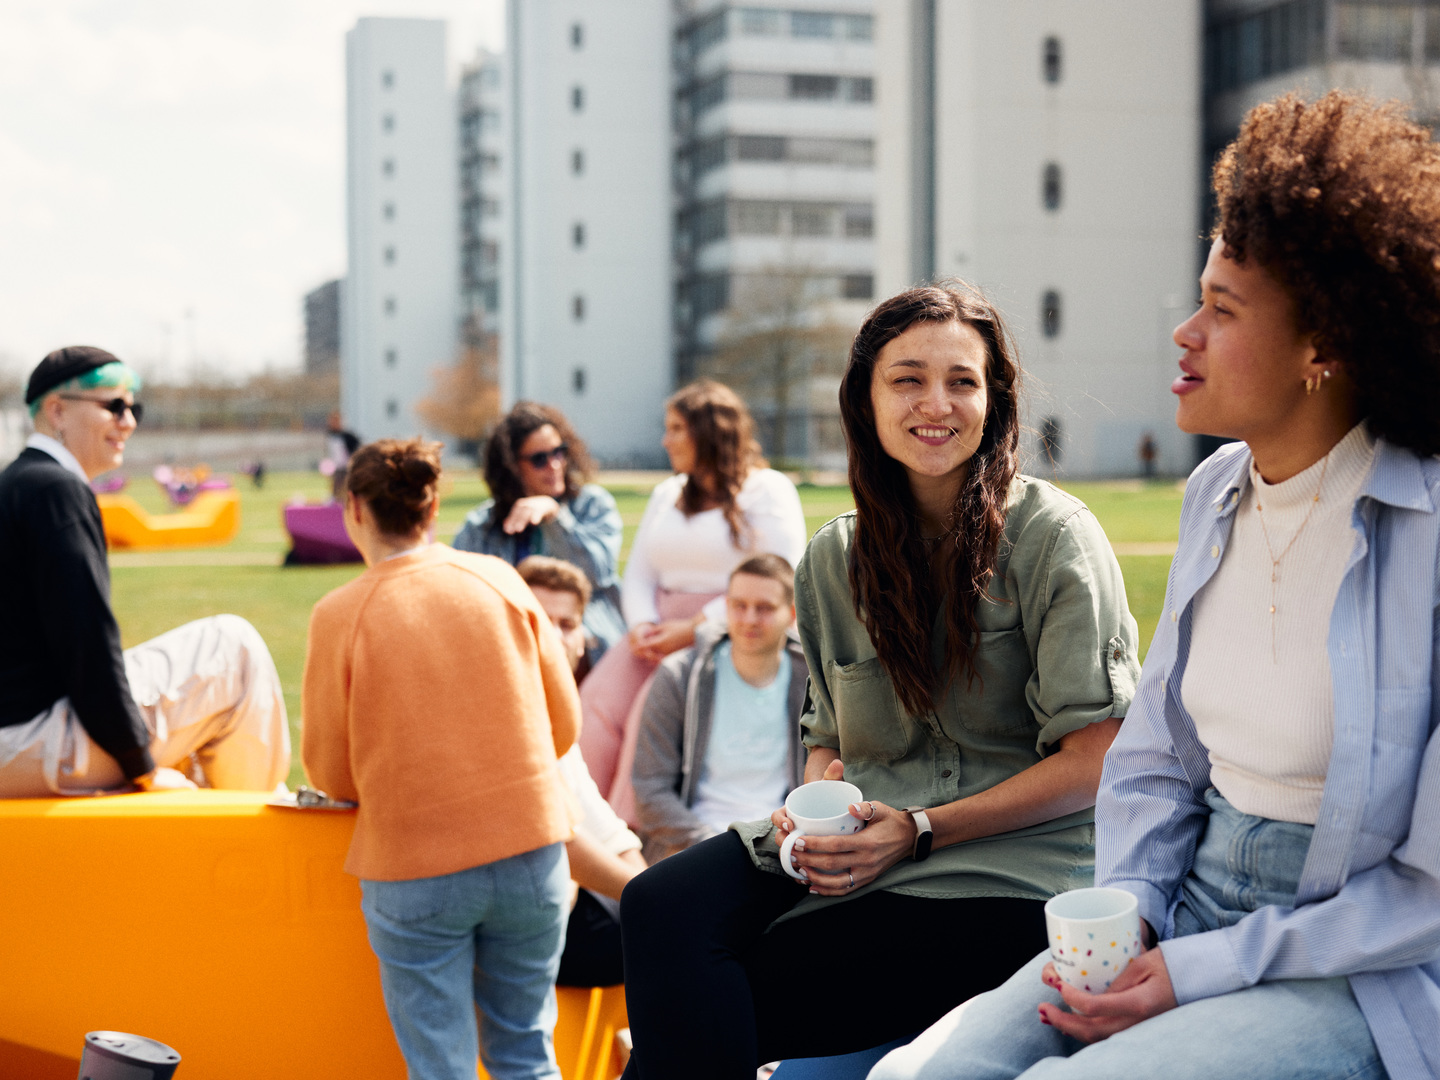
[{"x": 924, "y": 835}]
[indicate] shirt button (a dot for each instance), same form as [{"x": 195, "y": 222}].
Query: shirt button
[
  {"x": 946, "y": 773},
  {"x": 1214, "y": 551},
  {"x": 1174, "y": 616}
]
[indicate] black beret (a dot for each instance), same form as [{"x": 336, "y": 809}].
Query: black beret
[{"x": 62, "y": 365}]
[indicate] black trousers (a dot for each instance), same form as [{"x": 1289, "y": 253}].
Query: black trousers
[
  {"x": 711, "y": 995},
  {"x": 592, "y": 946}
]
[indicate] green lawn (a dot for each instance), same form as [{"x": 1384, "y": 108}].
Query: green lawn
[{"x": 149, "y": 600}]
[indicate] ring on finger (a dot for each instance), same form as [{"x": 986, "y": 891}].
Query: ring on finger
[
  {"x": 852, "y": 879},
  {"x": 871, "y": 815}
]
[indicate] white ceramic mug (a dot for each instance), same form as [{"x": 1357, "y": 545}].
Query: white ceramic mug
[
  {"x": 1094, "y": 934},
  {"x": 819, "y": 808}
]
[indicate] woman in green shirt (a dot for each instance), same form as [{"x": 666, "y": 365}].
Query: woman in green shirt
[{"x": 971, "y": 655}]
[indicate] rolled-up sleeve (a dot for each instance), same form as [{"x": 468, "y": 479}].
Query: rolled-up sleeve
[{"x": 1085, "y": 639}]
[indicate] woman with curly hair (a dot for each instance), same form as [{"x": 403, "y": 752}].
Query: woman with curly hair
[
  {"x": 722, "y": 505},
  {"x": 1273, "y": 799},
  {"x": 970, "y": 654},
  {"x": 537, "y": 469}
]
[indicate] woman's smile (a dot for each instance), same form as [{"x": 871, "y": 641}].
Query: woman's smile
[{"x": 933, "y": 436}]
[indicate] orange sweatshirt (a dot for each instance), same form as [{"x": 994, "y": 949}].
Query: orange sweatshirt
[{"x": 437, "y": 694}]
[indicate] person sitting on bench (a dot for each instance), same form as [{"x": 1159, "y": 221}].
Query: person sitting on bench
[
  {"x": 604, "y": 853},
  {"x": 77, "y": 715},
  {"x": 720, "y": 732}
]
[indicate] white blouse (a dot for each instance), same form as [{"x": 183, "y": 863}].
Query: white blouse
[{"x": 696, "y": 554}]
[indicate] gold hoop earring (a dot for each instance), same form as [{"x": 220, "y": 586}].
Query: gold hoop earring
[{"x": 1312, "y": 383}]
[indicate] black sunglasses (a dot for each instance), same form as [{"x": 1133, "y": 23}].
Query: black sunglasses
[
  {"x": 115, "y": 406},
  {"x": 541, "y": 459}
]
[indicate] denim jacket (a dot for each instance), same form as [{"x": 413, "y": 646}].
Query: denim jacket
[
  {"x": 586, "y": 532},
  {"x": 1368, "y": 905}
]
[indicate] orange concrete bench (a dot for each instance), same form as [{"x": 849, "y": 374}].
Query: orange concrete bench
[{"x": 214, "y": 923}]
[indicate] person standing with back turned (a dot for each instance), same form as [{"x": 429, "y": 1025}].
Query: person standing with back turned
[{"x": 459, "y": 840}]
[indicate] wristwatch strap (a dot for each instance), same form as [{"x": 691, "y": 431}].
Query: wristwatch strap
[{"x": 924, "y": 834}]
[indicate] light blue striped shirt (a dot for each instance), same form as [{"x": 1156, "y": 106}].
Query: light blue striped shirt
[{"x": 1368, "y": 906}]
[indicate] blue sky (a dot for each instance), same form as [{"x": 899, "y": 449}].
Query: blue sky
[{"x": 172, "y": 172}]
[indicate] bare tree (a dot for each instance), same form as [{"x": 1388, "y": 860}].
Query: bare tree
[
  {"x": 781, "y": 331},
  {"x": 464, "y": 400}
]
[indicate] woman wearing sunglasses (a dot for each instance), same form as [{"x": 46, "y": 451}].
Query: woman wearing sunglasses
[
  {"x": 76, "y": 714},
  {"x": 536, "y": 468}
]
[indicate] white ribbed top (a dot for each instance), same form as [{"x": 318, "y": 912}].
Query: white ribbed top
[{"x": 1257, "y": 685}]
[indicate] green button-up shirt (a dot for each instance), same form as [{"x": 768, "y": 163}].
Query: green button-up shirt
[{"x": 1057, "y": 651}]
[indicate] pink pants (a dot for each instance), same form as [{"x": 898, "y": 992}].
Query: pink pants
[{"x": 611, "y": 699}]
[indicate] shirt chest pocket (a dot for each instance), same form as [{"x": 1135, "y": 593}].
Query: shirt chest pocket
[
  {"x": 994, "y": 704},
  {"x": 871, "y": 722}
]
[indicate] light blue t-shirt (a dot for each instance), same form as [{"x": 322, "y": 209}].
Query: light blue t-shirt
[{"x": 746, "y": 771}]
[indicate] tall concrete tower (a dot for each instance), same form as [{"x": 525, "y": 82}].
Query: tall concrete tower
[
  {"x": 401, "y": 300},
  {"x": 1048, "y": 152},
  {"x": 586, "y": 268}
]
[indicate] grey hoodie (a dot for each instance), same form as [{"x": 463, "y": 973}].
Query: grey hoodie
[{"x": 674, "y": 736}]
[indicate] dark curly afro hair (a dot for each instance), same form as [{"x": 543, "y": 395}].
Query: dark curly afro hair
[{"x": 1340, "y": 200}]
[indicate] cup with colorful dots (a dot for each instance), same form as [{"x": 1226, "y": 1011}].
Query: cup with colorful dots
[{"x": 1094, "y": 934}]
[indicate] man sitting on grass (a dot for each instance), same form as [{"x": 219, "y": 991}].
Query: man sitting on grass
[
  {"x": 604, "y": 853},
  {"x": 720, "y": 734},
  {"x": 78, "y": 716}
]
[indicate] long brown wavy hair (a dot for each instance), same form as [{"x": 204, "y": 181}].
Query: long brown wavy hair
[
  {"x": 502, "y": 461},
  {"x": 726, "y": 450},
  {"x": 890, "y": 577}
]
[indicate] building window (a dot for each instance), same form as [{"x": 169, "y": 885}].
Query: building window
[
  {"x": 577, "y": 234},
  {"x": 857, "y": 286},
  {"x": 577, "y": 162},
  {"x": 756, "y": 219},
  {"x": 577, "y": 380},
  {"x": 1373, "y": 31},
  {"x": 859, "y": 221},
  {"x": 811, "y": 221},
  {"x": 387, "y": 79},
  {"x": 392, "y": 408},
  {"x": 858, "y": 27},
  {"x": 391, "y": 357},
  {"x": 1051, "y": 60},
  {"x": 1050, "y": 314},
  {"x": 1050, "y": 436},
  {"x": 707, "y": 222},
  {"x": 387, "y": 167},
  {"x": 1247, "y": 48},
  {"x": 390, "y": 256},
  {"x": 388, "y": 210},
  {"x": 1050, "y": 193},
  {"x": 811, "y": 24},
  {"x": 577, "y": 35},
  {"x": 387, "y": 122},
  {"x": 390, "y": 305},
  {"x": 577, "y": 99},
  {"x": 710, "y": 293},
  {"x": 759, "y": 21},
  {"x": 577, "y": 308}
]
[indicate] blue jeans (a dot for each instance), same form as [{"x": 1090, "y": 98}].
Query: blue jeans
[
  {"x": 1298, "y": 1029},
  {"x": 486, "y": 938}
]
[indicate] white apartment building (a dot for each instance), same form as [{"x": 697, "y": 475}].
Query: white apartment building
[
  {"x": 400, "y": 310},
  {"x": 585, "y": 260},
  {"x": 1048, "y": 151},
  {"x": 775, "y": 178}
]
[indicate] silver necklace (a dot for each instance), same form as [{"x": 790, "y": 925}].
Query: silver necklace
[{"x": 1276, "y": 559}]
